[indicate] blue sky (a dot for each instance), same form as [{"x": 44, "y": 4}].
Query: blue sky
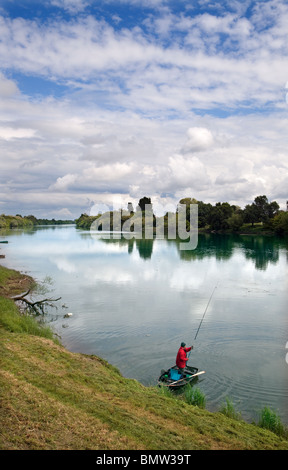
[{"x": 103, "y": 102}]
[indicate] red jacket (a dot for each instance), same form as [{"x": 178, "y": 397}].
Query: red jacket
[{"x": 182, "y": 358}]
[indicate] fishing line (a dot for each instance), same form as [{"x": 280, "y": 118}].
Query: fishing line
[{"x": 205, "y": 311}]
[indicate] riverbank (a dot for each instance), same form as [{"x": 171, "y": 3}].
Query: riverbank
[{"x": 53, "y": 399}]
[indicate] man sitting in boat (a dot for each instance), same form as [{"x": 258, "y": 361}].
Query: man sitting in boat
[{"x": 181, "y": 358}]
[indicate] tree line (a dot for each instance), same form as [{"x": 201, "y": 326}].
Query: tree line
[
  {"x": 28, "y": 221},
  {"x": 260, "y": 216},
  {"x": 224, "y": 216}
]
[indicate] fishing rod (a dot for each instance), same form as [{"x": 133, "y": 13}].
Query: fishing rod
[
  {"x": 204, "y": 315},
  {"x": 205, "y": 311}
]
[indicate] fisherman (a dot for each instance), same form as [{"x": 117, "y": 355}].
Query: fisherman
[{"x": 181, "y": 358}]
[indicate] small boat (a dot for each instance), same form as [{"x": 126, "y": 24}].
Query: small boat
[
  {"x": 173, "y": 379},
  {"x": 3, "y": 241}
]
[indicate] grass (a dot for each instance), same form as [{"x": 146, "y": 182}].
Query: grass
[
  {"x": 194, "y": 396},
  {"x": 191, "y": 395},
  {"x": 52, "y": 399},
  {"x": 166, "y": 391},
  {"x": 269, "y": 419},
  {"x": 11, "y": 283},
  {"x": 12, "y": 321},
  {"x": 228, "y": 409}
]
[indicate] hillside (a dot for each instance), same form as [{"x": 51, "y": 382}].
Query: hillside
[{"x": 53, "y": 399}]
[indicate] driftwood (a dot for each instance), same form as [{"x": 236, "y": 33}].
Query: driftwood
[{"x": 36, "y": 307}]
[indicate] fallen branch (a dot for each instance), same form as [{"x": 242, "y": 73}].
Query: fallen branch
[
  {"x": 38, "y": 306},
  {"x": 20, "y": 296}
]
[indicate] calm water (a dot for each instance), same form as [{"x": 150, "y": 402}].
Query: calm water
[{"x": 133, "y": 302}]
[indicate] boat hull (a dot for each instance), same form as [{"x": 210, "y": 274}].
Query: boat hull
[{"x": 166, "y": 381}]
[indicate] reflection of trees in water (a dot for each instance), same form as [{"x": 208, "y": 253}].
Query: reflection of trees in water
[
  {"x": 260, "y": 249},
  {"x": 144, "y": 246},
  {"x": 216, "y": 246}
]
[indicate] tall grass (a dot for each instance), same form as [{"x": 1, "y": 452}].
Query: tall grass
[
  {"x": 269, "y": 419},
  {"x": 191, "y": 395},
  {"x": 228, "y": 409},
  {"x": 165, "y": 391},
  {"x": 13, "y": 321},
  {"x": 11, "y": 318},
  {"x": 194, "y": 396}
]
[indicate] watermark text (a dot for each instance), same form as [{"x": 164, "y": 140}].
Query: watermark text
[{"x": 143, "y": 224}]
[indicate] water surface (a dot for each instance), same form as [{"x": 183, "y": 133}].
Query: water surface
[{"x": 133, "y": 302}]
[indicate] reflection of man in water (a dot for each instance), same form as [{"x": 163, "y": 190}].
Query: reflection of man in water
[{"x": 181, "y": 358}]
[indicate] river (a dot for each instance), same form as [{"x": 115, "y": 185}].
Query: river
[{"x": 134, "y": 301}]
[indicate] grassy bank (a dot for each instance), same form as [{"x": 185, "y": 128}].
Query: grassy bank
[{"x": 54, "y": 399}]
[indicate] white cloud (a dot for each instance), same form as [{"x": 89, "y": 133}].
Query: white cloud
[
  {"x": 88, "y": 49},
  {"x": 187, "y": 173},
  {"x": 8, "y": 87},
  {"x": 8, "y": 133},
  {"x": 64, "y": 182},
  {"x": 73, "y": 6},
  {"x": 109, "y": 173},
  {"x": 203, "y": 114},
  {"x": 199, "y": 138}
]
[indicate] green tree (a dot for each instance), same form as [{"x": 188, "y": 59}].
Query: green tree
[
  {"x": 32, "y": 218},
  {"x": 280, "y": 223},
  {"x": 143, "y": 202},
  {"x": 250, "y": 214},
  {"x": 219, "y": 215},
  {"x": 265, "y": 209},
  {"x": 260, "y": 210},
  {"x": 235, "y": 221},
  {"x": 273, "y": 209},
  {"x": 203, "y": 210},
  {"x": 187, "y": 201}
]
